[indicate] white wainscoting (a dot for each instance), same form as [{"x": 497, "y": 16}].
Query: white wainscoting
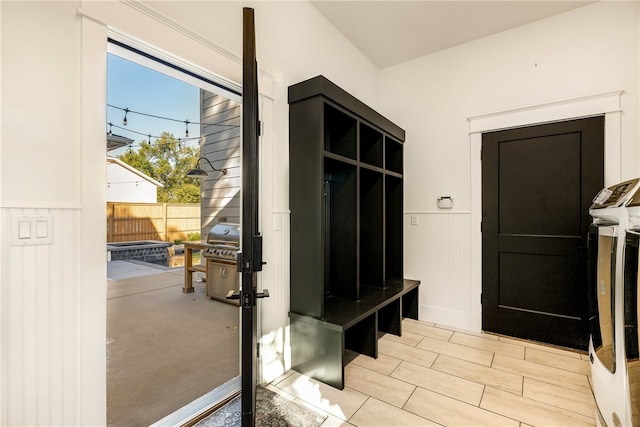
[
  {"x": 437, "y": 251},
  {"x": 274, "y": 311},
  {"x": 40, "y": 320}
]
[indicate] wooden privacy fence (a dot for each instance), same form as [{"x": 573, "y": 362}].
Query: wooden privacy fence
[{"x": 127, "y": 222}]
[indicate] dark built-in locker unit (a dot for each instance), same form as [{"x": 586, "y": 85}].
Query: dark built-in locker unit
[{"x": 345, "y": 196}]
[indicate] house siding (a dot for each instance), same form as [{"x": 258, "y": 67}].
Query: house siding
[{"x": 220, "y": 194}]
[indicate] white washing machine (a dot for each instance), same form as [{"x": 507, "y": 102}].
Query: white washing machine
[{"x": 606, "y": 248}]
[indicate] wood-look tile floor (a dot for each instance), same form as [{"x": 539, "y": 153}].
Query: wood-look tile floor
[{"x": 437, "y": 376}]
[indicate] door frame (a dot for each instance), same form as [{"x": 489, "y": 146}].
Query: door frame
[
  {"x": 153, "y": 32},
  {"x": 607, "y": 104}
]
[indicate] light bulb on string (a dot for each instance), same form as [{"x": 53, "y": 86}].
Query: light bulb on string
[
  {"x": 186, "y": 129},
  {"x": 149, "y": 140},
  {"x": 124, "y": 121},
  {"x": 186, "y": 122},
  {"x": 110, "y": 124}
]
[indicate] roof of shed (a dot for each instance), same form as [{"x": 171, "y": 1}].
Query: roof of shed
[{"x": 134, "y": 170}]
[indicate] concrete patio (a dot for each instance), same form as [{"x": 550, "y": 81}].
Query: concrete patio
[{"x": 165, "y": 348}]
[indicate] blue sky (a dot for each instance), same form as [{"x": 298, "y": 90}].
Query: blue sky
[{"x": 141, "y": 89}]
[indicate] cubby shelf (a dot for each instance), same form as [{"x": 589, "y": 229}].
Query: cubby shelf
[{"x": 346, "y": 229}]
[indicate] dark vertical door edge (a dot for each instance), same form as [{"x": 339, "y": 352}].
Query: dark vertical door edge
[{"x": 250, "y": 258}]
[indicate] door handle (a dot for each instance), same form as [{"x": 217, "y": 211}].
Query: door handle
[{"x": 232, "y": 294}]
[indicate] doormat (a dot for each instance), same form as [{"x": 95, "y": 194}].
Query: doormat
[{"x": 271, "y": 410}]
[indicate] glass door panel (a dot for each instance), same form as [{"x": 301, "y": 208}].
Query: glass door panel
[{"x": 169, "y": 342}]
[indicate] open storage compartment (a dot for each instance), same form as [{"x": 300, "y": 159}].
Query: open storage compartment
[
  {"x": 371, "y": 228},
  {"x": 340, "y": 187},
  {"x": 393, "y": 231},
  {"x": 393, "y": 155},
  {"x": 363, "y": 336},
  {"x": 340, "y": 133},
  {"x": 371, "y": 146},
  {"x": 390, "y": 318}
]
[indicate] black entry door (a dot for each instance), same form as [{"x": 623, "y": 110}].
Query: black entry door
[
  {"x": 250, "y": 258},
  {"x": 537, "y": 185}
]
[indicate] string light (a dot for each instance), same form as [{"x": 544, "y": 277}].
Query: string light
[
  {"x": 187, "y": 122},
  {"x": 149, "y": 135},
  {"x": 201, "y": 139},
  {"x": 124, "y": 182}
]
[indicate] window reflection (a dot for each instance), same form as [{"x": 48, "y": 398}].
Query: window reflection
[{"x": 602, "y": 256}]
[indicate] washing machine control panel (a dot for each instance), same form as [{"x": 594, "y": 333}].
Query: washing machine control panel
[
  {"x": 635, "y": 199},
  {"x": 617, "y": 195}
]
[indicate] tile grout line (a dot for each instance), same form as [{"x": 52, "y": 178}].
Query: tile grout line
[
  {"x": 497, "y": 413},
  {"x": 359, "y": 407}
]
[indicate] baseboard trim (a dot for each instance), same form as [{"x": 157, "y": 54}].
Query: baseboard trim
[{"x": 456, "y": 319}]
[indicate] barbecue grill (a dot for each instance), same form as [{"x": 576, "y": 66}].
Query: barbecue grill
[{"x": 221, "y": 253}]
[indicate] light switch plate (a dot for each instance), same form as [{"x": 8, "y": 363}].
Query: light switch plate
[
  {"x": 29, "y": 230},
  {"x": 42, "y": 229},
  {"x": 277, "y": 222},
  {"x": 24, "y": 229}
]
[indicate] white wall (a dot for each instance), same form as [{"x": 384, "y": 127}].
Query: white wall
[
  {"x": 51, "y": 332},
  {"x": 53, "y": 323},
  {"x": 124, "y": 185},
  {"x": 587, "y": 51},
  {"x": 48, "y": 66}
]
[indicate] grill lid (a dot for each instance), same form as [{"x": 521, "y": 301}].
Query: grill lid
[{"x": 224, "y": 233}]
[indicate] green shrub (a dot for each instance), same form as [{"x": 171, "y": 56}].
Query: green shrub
[{"x": 193, "y": 237}]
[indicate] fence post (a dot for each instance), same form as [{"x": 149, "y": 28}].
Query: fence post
[
  {"x": 166, "y": 221},
  {"x": 110, "y": 231}
]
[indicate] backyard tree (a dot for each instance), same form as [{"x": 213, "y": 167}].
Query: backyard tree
[{"x": 167, "y": 160}]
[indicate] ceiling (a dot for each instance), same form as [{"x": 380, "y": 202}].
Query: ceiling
[{"x": 392, "y": 32}]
